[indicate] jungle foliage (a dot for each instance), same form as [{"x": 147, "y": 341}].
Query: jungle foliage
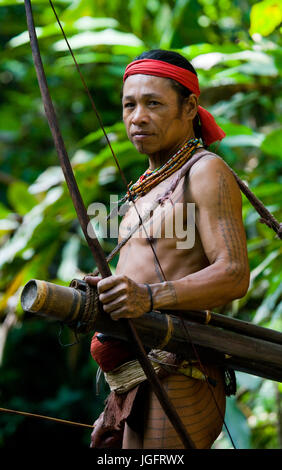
[{"x": 236, "y": 49}]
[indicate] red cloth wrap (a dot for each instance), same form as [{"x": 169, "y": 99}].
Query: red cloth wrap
[
  {"x": 110, "y": 354},
  {"x": 211, "y": 132}
]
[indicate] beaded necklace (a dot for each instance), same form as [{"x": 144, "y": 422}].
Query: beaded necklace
[{"x": 150, "y": 178}]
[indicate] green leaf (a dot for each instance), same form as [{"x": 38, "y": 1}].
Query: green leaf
[
  {"x": 265, "y": 17},
  {"x": 52, "y": 176},
  {"x": 87, "y": 23},
  {"x": 265, "y": 399},
  {"x": 137, "y": 8},
  {"x": 115, "y": 131},
  {"x": 20, "y": 239},
  {"x": 69, "y": 264},
  {"x": 272, "y": 144},
  {"x": 264, "y": 70},
  {"x": 268, "y": 305},
  {"x": 268, "y": 189},
  {"x": 248, "y": 381},
  {"x": 4, "y": 211},
  {"x": 232, "y": 129},
  {"x": 204, "y": 48},
  {"x": 86, "y": 58},
  {"x": 21, "y": 2},
  {"x": 20, "y": 198},
  {"x": 107, "y": 37},
  {"x": 257, "y": 63},
  {"x": 24, "y": 234},
  {"x": 237, "y": 424},
  {"x": 263, "y": 265},
  {"x": 8, "y": 225},
  {"x": 243, "y": 140}
]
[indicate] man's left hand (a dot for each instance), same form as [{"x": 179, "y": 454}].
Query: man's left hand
[{"x": 121, "y": 297}]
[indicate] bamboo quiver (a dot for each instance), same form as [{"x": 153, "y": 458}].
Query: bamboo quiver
[{"x": 224, "y": 341}]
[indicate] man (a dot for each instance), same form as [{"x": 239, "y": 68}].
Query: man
[{"x": 165, "y": 272}]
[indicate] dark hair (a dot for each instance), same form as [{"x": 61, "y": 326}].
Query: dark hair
[
  {"x": 171, "y": 57},
  {"x": 177, "y": 59}
]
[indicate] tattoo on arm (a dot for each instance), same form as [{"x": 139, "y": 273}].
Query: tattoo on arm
[
  {"x": 230, "y": 232},
  {"x": 164, "y": 295},
  {"x": 172, "y": 291}
]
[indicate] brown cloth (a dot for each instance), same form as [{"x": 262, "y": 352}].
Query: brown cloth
[
  {"x": 109, "y": 427},
  {"x": 118, "y": 408},
  {"x": 129, "y": 406}
]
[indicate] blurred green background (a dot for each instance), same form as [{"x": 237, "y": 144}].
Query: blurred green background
[{"x": 236, "y": 49}]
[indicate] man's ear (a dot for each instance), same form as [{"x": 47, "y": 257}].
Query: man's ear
[{"x": 191, "y": 106}]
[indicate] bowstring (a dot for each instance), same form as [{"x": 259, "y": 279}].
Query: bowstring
[
  {"x": 89, "y": 94},
  {"x": 134, "y": 205}
]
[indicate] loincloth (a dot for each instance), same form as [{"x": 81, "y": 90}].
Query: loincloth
[{"x": 128, "y": 380}]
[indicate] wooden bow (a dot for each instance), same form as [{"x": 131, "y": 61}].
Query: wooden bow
[{"x": 93, "y": 243}]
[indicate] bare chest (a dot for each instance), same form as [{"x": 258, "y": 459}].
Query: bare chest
[
  {"x": 161, "y": 220},
  {"x": 166, "y": 240}
]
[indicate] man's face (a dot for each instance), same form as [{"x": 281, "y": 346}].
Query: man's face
[{"x": 154, "y": 121}]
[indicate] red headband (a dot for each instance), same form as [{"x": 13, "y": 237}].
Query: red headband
[{"x": 210, "y": 130}]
